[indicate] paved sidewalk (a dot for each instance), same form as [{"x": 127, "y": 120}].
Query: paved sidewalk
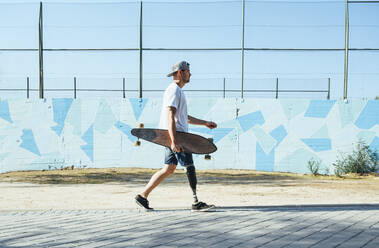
[{"x": 284, "y": 226}]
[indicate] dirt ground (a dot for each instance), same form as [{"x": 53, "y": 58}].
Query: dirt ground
[{"x": 115, "y": 188}]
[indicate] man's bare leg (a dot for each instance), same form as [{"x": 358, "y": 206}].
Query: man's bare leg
[{"x": 157, "y": 178}]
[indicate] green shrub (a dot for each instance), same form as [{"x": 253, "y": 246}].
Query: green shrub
[
  {"x": 362, "y": 160},
  {"x": 314, "y": 166},
  {"x": 327, "y": 171}
]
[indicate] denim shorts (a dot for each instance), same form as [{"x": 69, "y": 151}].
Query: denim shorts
[{"x": 185, "y": 159}]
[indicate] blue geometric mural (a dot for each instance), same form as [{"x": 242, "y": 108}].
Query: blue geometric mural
[
  {"x": 349, "y": 111},
  {"x": 105, "y": 119},
  {"x": 217, "y": 134},
  {"x": 4, "y": 111},
  {"x": 375, "y": 144},
  {"x": 266, "y": 141},
  {"x": 88, "y": 138},
  {"x": 275, "y": 135},
  {"x": 321, "y": 133},
  {"x": 319, "y": 108},
  {"x": 279, "y": 134},
  {"x": 249, "y": 120},
  {"x": 28, "y": 141},
  {"x": 60, "y": 108},
  {"x": 318, "y": 145},
  {"x": 293, "y": 107},
  {"x": 264, "y": 162},
  {"x": 125, "y": 128},
  {"x": 369, "y": 116},
  {"x": 138, "y": 105}
]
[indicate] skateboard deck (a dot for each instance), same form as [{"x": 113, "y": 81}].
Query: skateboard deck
[{"x": 192, "y": 143}]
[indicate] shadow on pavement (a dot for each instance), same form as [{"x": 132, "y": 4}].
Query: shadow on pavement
[{"x": 310, "y": 207}]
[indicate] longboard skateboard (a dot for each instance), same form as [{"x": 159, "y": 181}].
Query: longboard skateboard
[{"x": 192, "y": 143}]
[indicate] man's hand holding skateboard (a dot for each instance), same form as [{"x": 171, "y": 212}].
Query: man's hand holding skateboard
[
  {"x": 210, "y": 124},
  {"x": 178, "y": 147},
  {"x": 175, "y": 146}
]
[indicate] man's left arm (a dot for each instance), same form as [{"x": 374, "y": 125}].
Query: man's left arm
[{"x": 195, "y": 121}]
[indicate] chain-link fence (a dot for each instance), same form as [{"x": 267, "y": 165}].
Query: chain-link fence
[{"x": 317, "y": 49}]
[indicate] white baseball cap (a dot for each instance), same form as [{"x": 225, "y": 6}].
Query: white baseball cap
[{"x": 181, "y": 65}]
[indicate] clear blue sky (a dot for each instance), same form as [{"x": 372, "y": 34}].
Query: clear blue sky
[{"x": 191, "y": 24}]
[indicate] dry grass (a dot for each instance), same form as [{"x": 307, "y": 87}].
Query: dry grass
[
  {"x": 140, "y": 175},
  {"x": 115, "y": 188}
]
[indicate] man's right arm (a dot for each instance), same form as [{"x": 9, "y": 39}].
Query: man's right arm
[{"x": 172, "y": 129}]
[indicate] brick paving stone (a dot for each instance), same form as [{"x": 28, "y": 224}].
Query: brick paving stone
[
  {"x": 373, "y": 243},
  {"x": 300, "y": 230},
  {"x": 359, "y": 241},
  {"x": 338, "y": 226},
  {"x": 275, "y": 230},
  {"x": 322, "y": 232},
  {"x": 343, "y": 231}
]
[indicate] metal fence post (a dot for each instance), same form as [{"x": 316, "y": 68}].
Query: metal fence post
[
  {"x": 243, "y": 47},
  {"x": 40, "y": 30},
  {"x": 74, "y": 87},
  {"x": 224, "y": 88},
  {"x": 346, "y": 50},
  {"x": 123, "y": 87},
  {"x": 140, "y": 52},
  {"x": 328, "y": 97},
  {"x": 277, "y": 88},
  {"x": 27, "y": 87}
]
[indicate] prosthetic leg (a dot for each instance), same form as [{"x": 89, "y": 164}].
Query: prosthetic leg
[
  {"x": 197, "y": 205},
  {"x": 191, "y": 175}
]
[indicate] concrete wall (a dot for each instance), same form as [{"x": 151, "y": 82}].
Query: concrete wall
[{"x": 261, "y": 134}]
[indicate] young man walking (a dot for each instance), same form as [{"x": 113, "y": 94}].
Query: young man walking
[{"x": 174, "y": 118}]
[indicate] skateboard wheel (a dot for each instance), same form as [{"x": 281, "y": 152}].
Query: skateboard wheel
[
  {"x": 207, "y": 157},
  {"x": 141, "y": 125},
  {"x": 137, "y": 143}
]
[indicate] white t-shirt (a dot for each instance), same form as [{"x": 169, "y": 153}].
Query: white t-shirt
[{"x": 174, "y": 97}]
